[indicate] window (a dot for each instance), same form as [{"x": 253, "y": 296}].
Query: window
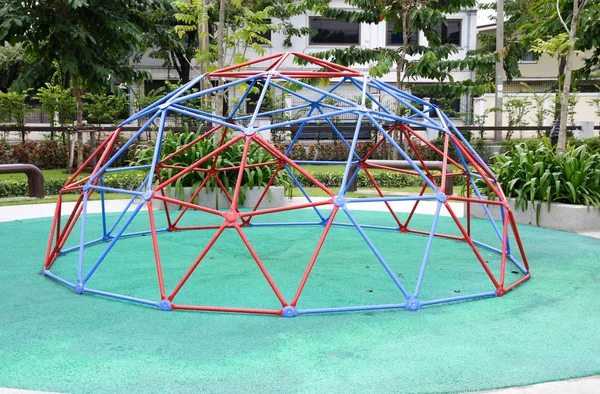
[
  {"x": 333, "y": 31},
  {"x": 267, "y": 34},
  {"x": 528, "y": 58},
  {"x": 450, "y": 34},
  {"x": 396, "y": 38}
]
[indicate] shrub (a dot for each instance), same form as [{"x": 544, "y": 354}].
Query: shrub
[{"x": 531, "y": 175}]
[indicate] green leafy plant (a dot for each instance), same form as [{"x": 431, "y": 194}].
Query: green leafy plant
[
  {"x": 539, "y": 175},
  {"x": 230, "y": 157}
]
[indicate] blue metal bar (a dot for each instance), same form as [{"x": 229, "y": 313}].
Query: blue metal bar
[
  {"x": 196, "y": 111},
  {"x": 157, "y": 149},
  {"x": 102, "y": 204},
  {"x": 371, "y": 96},
  {"x": 302, "y": 189},
  {"x": 119, "y": 169},
  {"x": 293, "y": 93},
  {"x": 214, "y": 89},
  {"x": 286, "y": 224},
  {"x": 459, "y": 298},
  {"x": 521, "y": 267},
  {"x": 136, "y": 233},
  {"x": 363, "y": 99},
  {"x": 112, "y": 190},
  {"x": 77, "y": 247},
  {"x": 317, "y": 163},
  {"x": 242, "y": 99},
  {"x": 58, "y": 279},
  {"x": 82, "y": 237},
  {"x": 154, "y": 105},
  {"x": 112, "y": 243},
  {"x": 300, "y": 129},
  {"x": 381, "y": 199},
  {"x": 139, "y": 115},
  {"x": 427, "y": 249},
  {"x": 275, "y": 111},
  {"x": 352, "y": 150},
  {"x": 466, "y": 144},
  {"x": 306, "y": 119},
  {"x": 376, "y": 252},
  {"x": 352, "y": 178},
  {"x": 131, "y": 201},
  {"x": 121, "y": 297},
  {"x": 477, "y": 192},
  {"x": 317, "y": 90},
  {"x": 403, "y": 154},
  {"x": 366, "y": 226},
  {"x": 386, "y": 117},
  {"x": 409, "y": 105},
  {"x": 350, "y": 309},
  {"x": 207, "y": 119},
  {"x": 260, "y": 100},
  {"x": 123, "y": 148},
  {"x": 410, "y": 97},
  {"x": 340, "y": 136}
]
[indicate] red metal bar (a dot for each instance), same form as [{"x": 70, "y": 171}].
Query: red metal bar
[
  {"x": 186, "y": 146},
  {"x": 378, "y": 143},
  {"x": 191, "y": 199},
  {"x": 246, "y": 64},
  {"x": 261, "y": 266},
  {"x": 414, "y": 148},
  {"x": 224, "y": 190},
  {"x": 247, "y": 221},
  {"x": 238, "y": 184},
  {"x": 52, "y": 230},
  {"x": 314, "y": 256},
  {"x": 161, "y": 283},
  {"x": 445, "y": 162},
  {"x": 260, "y": 141},
  {"x": 198, "y": 260},
  {"x": 269, "y": 163},
  {"x": 517, "y": 283},
  {"x": 222, "y": 309},
  {"x": 162, "y": 191},
  {"x": 381, "y": 195},
  {"x": 204, "y": 159},
  {"x": 278, "y": 63},
  {"x": 475, "y": 200},
  {"x": 468, "y": 207},
  {"x": 472, "y": 245},
  {"x": 504, "y": 250},
  {"x": 183, "y": 168},
  {"x": 429, "y": 144},
  {"x": 453, "y": 237},
  {"x": 380, "y": 167},
  {"x": 89, "y": 159},
  {"x": 315, "y": 60},
  {"x": 414, "y": 208},
  {"x": 185, "y": 228},
  {"x": 513, "y": 225},
  {"x": 283, "y": 209},
  {"x": 187, "y": 204}
]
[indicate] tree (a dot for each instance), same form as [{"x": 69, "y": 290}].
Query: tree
[
  {"x": 10, "y": 58},
  {"x": 88, "y": 39},
  {"x": 13, "y": 106}
]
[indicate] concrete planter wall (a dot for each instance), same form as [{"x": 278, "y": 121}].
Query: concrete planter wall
[
  {"x": 566, "y": 217},
  {"x": 216, "y": 199}
]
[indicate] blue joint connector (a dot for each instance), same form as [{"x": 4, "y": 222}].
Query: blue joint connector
[
  {"x": 79, "y": 288},
  {"x": 165, "y": 305},
  {"x": 339, "y": 201},
  {"x": 148, "y": 195},
  {"x": 413, "y": 304},
  {"x": 441, "y": 197},
  {"x": 289, "y": 311},
  {"x": 250, "y": 131},
  {"x": 86, "y": 187}
]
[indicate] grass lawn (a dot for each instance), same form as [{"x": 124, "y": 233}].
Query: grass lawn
[
  {"x": 58, "y": 173},
  {"x": 50, "y": 199}
]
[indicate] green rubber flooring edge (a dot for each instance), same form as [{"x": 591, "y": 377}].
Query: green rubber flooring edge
[{"x": 55, "y": 340}]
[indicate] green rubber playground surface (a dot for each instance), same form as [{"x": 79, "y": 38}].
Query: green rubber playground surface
[{"x": 55, "y": 340}]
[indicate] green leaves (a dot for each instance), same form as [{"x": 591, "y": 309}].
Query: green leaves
[{"x": 538, "y": 175}]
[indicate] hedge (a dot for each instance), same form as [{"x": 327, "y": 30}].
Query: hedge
[{"x": 53, "y": 185}]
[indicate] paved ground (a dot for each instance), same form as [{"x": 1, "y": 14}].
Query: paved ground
[{"x": 557, "y": 356}]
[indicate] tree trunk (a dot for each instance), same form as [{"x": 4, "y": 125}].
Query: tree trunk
[
  {"x": 220, "y": 64},
  {"x": 566, "y": 90},
  {"x": 562, "y": 63},
  {"x": 77, "y": 91}
]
